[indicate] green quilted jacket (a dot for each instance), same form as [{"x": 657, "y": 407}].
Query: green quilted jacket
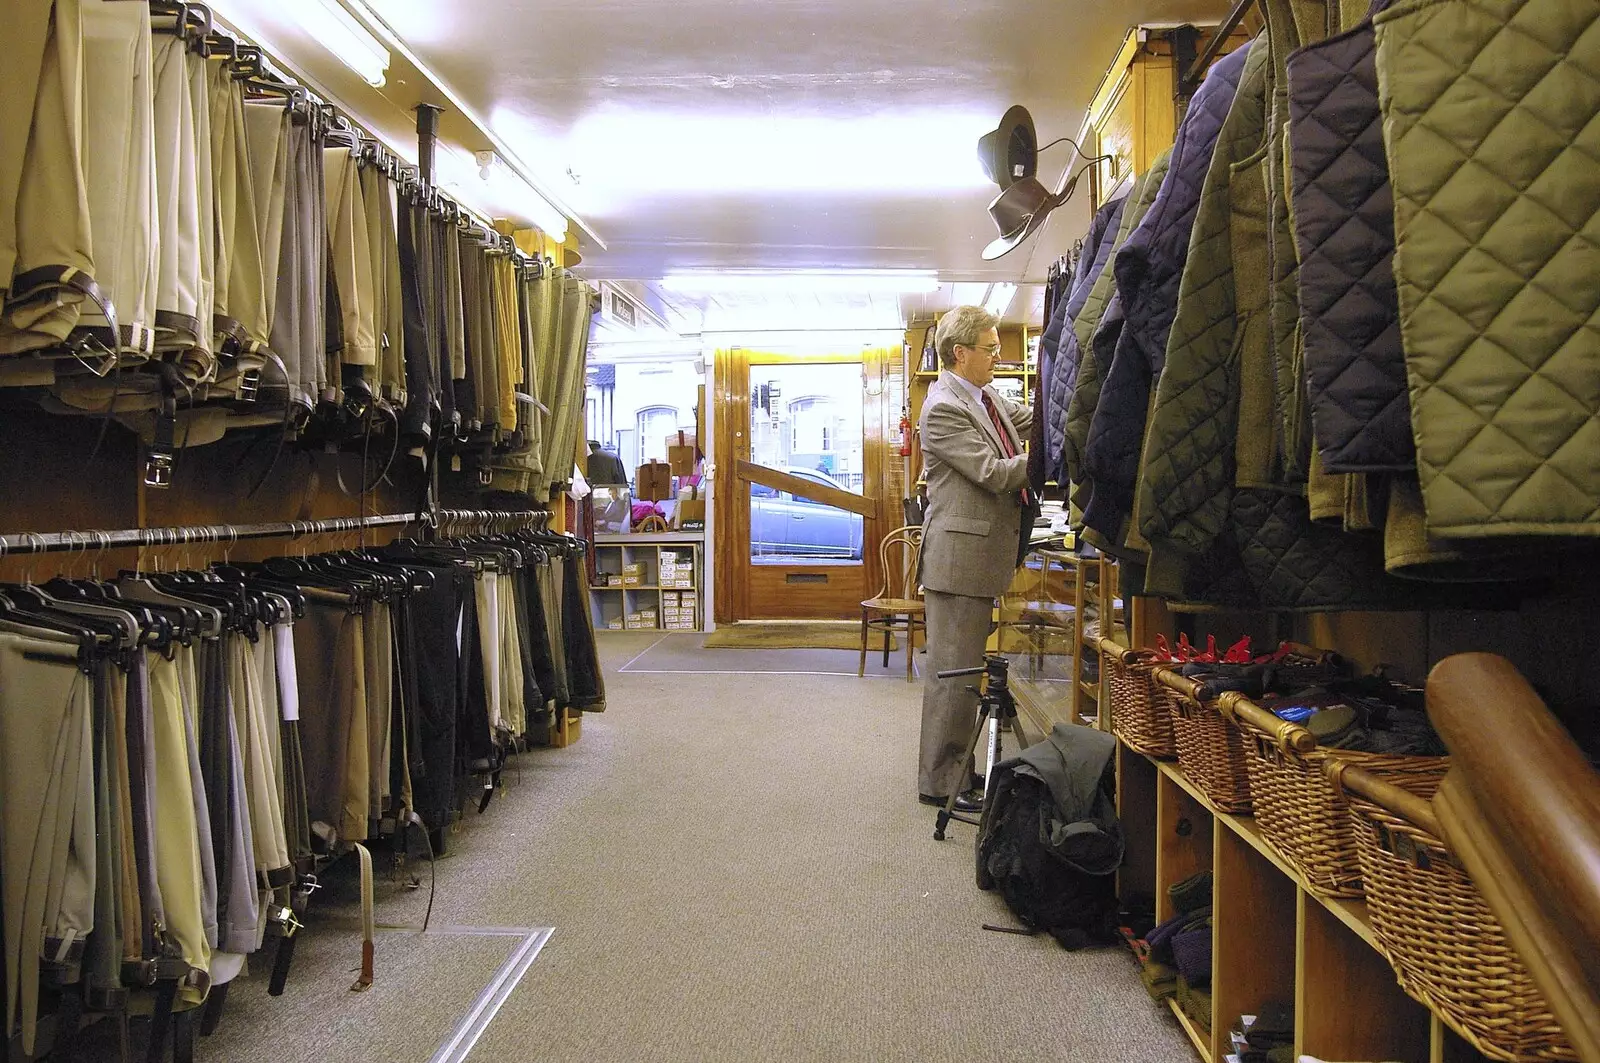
[
  {"x": 1489, "y": 122},
  {"x": 1188, "y": 478}
]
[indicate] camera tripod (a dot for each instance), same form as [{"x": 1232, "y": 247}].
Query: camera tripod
[{"x": 996, "y": 707}]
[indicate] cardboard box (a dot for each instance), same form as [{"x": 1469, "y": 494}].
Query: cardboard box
[
  {"x": 615, "y": 625},
  {"x": 691, "y": 514},
  {"x": 633, "y": 575},
  {"x": 652, "y": 482},
  {"x": 682, "y": 448}
]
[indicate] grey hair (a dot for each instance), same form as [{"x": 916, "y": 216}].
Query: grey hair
[{"x": 962, "y": 325}]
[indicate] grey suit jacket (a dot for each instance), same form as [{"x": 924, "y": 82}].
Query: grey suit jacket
[{"x": 974, "y": 518}]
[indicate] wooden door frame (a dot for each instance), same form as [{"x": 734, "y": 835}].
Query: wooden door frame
[{"x": 731, "y": 535}]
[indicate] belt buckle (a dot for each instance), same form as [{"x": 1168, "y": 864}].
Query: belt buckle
[
  {"x": 249, "y": 385},
  {"x": 158, "y": 469}
]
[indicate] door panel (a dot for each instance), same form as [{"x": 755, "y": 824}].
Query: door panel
[{"x": 803, "y": 543}]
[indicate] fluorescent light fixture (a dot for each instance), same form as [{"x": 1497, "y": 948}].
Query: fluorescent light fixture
[
  {"x": 1000, "y": 297},
  {"x": 623, "y": 153},
  {"x": 511, "y": 157},
  {"x": 968, "y": 294},
  {"x": 352, "y": 43},
  {"x": 778, "y": 282},
  {"x": 486, "y": 184},
  {"x": 327, "y": 22},
  {"x": 493, "y": 171}
]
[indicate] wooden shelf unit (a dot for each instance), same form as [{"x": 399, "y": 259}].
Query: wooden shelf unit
[
  {"x": 615, "y": 602},
  {"x": 1275, "y": 939}
]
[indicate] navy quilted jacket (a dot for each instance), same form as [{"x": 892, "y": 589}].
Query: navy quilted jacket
[
  {"x": 1148, "y": 269},
  {"x": 1064, "y": 360},
  {"x": 1344, "y": 225}
]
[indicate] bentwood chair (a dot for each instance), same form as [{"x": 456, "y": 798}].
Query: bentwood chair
[{"x": 897, "y": 606}]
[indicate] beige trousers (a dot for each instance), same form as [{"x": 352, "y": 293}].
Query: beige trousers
[
  {"x": 47, "y": 824},
  {"x": 47, "y": 237}
]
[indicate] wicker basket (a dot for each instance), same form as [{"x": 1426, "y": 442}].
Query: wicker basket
[
  {"x": 1446, "y": 946},
  {"x": 1301, "y": 813},
  {"x": 1140, "y": 716},
  {"x": 1211, "y": 749}
]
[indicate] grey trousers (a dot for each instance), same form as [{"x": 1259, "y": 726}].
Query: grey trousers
[{"x": 958, "y": 628}]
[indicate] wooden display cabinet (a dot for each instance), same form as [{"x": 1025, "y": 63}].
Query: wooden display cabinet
[{"x": 1275, "y": 940}]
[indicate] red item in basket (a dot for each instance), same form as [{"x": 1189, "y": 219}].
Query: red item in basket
[
  {"x": 1239, "y": 652},
  {"x": 1164, "y": 651}
]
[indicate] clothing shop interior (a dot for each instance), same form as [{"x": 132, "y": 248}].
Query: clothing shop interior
[{"x": 719, "y": 532}]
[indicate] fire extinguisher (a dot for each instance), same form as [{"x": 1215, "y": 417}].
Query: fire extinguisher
[{"x": 905, "y": 435}]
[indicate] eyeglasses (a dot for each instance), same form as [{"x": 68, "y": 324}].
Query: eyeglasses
[{"x": 991, "y": 349}]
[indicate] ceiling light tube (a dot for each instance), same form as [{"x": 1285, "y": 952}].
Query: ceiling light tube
[
  {"x": 512, "y": 159},
  {"x": 888, "y": 281},
  {"x": 348, "y": 40},
  {"x": 507, "y": 183},
  {"x": 327, "y": 22},
  {"x": 1000, "y": 297}
]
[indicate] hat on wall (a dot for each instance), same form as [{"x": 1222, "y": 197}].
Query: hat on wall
[
  {"x": 1021, "y": 209},
  {"x": 1010, "y": 152},
  {"x": 1018, "y": 211}
]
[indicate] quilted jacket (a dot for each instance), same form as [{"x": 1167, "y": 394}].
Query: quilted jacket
[
  {"x": 1489, "y": 121},
  {"x": 1186, "y": 490},
  {"x": 1344, "y": 230},
  {"x": 1090, "y": 324},
  {"x": 1063, "y": 369},
  {"x": 1148, "y": 269}
]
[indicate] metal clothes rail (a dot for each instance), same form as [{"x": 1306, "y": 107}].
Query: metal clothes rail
[{"x": 452, "y": 520}]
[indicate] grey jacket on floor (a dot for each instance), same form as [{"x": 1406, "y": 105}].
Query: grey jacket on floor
[{"x": 970, "y": 534}]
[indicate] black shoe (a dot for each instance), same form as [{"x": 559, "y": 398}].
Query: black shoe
[{"x": 970, "y": 801}]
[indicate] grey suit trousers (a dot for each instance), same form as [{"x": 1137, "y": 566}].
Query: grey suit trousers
[{"x": 958, "y": 629}]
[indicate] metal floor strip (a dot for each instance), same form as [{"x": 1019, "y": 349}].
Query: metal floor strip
[{"x": 488, "y": 1002}]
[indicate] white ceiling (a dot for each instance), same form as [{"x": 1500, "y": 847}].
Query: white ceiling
[
  {"x": 669, "y": 112},
  {"x": 765, "y": 134}
]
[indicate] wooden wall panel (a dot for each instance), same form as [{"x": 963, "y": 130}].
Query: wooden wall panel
[{"x": 48, "y": 485}]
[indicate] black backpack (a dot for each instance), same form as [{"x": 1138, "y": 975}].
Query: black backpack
[{"x": 1044, "y": 890}]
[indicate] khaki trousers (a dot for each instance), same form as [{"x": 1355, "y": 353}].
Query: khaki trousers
[
  {"x": 46, "y": 238},
  {"x": 47, "y": 806},
  {"x": 380, "y": 704},
  {"x": 958, "y": 629},
  {"x": 511, "y": 689},
  {"x": 380, "y": 198},
  {"x": 119, "y": 166},
  {"x": 351, "y": 249},
  {"x": 177, "y": 833},
  {"x": 487, "y": 590},
  {"x": 178, "y": 290}
]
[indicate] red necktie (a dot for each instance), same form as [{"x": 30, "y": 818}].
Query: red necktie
[{"x": 1006, "y": 446}]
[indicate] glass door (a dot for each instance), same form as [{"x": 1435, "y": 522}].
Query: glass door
[{"x": 804, "y": 436}]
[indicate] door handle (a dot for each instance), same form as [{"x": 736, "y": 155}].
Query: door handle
[{"x": 799, "y": 516}]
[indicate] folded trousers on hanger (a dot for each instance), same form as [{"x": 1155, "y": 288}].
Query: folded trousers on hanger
[
  {"x": 351, "y": 256},
  {"x": 119, "y": 166},
  {"x": 380, "y": 662},
  {"x": 330, "y": 658},
  {"x": 177, "y": 834},
  {"x": 47, "y": 812},
  {"x": 47, "y": 241}
]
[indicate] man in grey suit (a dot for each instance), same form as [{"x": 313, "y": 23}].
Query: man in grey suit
[{"x": 977, "y": 478}]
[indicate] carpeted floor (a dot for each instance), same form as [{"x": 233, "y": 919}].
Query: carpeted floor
[
  {"x": 686, "y": 653},
  {"x": 737, "y": 869}
]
